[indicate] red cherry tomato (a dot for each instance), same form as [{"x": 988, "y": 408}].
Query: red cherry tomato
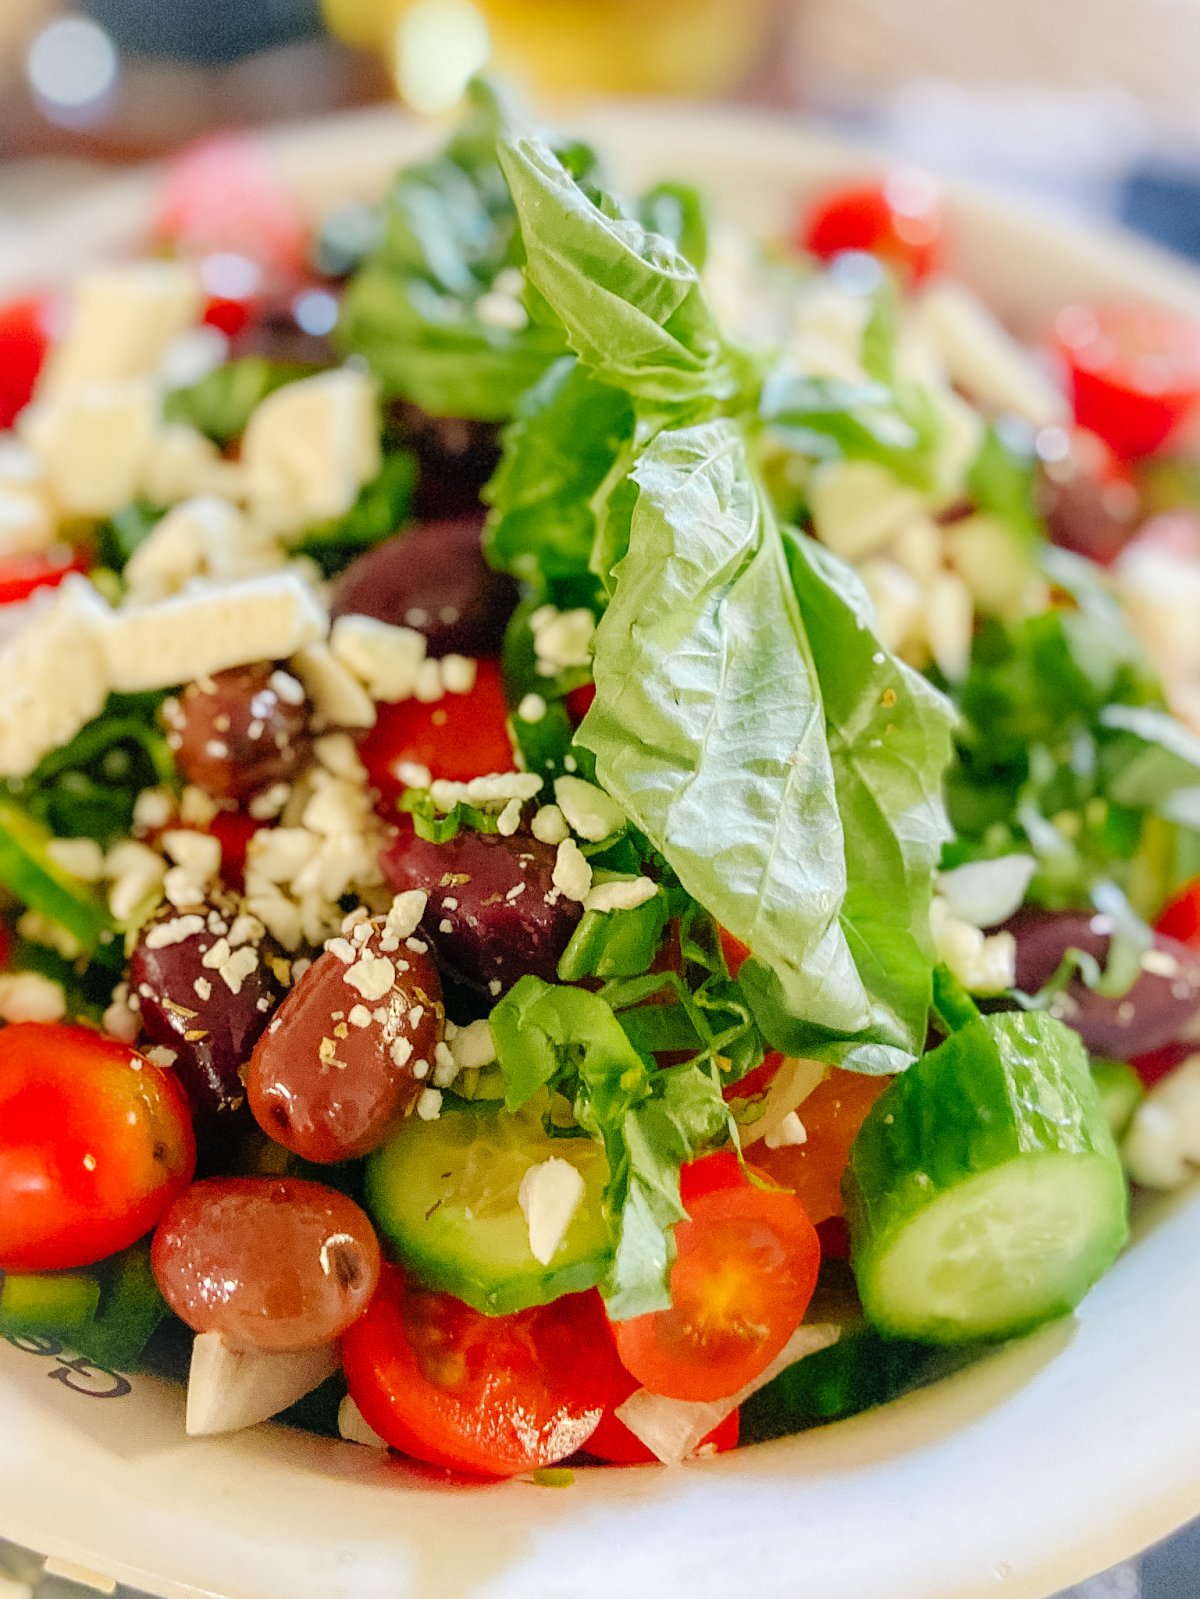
[
  {"x": 1134, "y": 371},
  {"x": 233, "y": 830},
  {"x": 23, "y": 575},
  {"x": 223, "y": 196},
  {"x": 488, "y": 1395},
  {"x": 736, "y": 953},
  {"x": 744, "y": 1272},
  {"x": 613, "y": 1442},
  {"x": 24, "y": 340},
  {"x": 755, "y": 1082},
  {"x": 1181, "y": 918},
  {"x": 579, "y": 701},
  {"x": 832, "y": 1115},
  {"x": 899, "y": 220},
  {"x": 1158, "y": 1063},
  {"x": 457, "y": 737},
  {"x": 233, "y": 284},
  {"x": 95, "y": 1143}
]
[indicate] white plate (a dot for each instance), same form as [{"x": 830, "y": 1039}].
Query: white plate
[{"x": 1047, "y": 1462}]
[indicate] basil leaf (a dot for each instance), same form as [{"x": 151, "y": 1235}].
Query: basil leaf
[
  {"x": 1152, "y": 762},
  {"x": 629, "y": 300},
  {"x": 1001, "y": 481},
  {"x": 829, "y": 417},
  {"x": 717, "y": 732},
  {"x": 220, "y": 404},
  {"x": 615, "y": 943}
]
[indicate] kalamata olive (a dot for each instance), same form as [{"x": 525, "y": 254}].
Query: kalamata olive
[
  {"x": 1157, "y": 1008},
  {"x": 352, "y": 1048},
  {"x": 271, "y": 1263},
  {"x": 206, "y": 982},
  {"x": 239, "y": 732},
  {"x": 493, "y": 912},
  {"x": 434, "y": 579},
  {"x": 456, "y": 458},
  {"x": 1090, "y": 503}
]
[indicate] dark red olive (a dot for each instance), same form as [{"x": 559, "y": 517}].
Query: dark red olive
[
  {"x": 239, "y": 732},
  {"x": 493, "y": 912},
  {"x": 352, "y": 1048},
  {"x": 268, "y": 1262},
  {"x": 206, "y": 983},
  {"x": 456, "y": 459},
  {"x": 434, "y": 579},
  {"x": 1090, "y": 503},
  {"x": 1155, "y": 1011}
]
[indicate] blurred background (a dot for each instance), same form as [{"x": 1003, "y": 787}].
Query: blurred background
[{"x": 1090, "y": 104}]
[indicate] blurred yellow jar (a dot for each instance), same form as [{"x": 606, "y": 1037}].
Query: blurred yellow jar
[{"x": 564, "y": 47}]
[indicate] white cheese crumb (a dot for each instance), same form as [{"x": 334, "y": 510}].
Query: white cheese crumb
[
  {"x": 428, "y": 686},
  {"x": 621, "y": 894},
  {"x": 310, "y": 447},
  {"x": 532, "y": 708},
  {"x": 429, "y": 1106},
  {"x": 562, "y": 639},
  {"x": 588, "y": 809},
  {"x": 153, "y": 809},
  {"x": 509, "y": 819},
  {"x": 79, "y": 857},
  {"x": 472, "y": 1046},
  {"x": 198, "y": 853},
  {"x": 53, "y": 678},
  {"x": 122, "y": 1023},
  {"x": 162, "y": 1057},
  {"x": 550, "y": 825},
  {"x": 982, "y": 964},
  {"x": 359, "y": 1016},
  {"x": 373, "y": 976},
  {"x": 572, "y": 873},
  {"x": 176, "y": 931},
  {"x": 30, "y": 997},
  {"x": 136, "y": 873},
  {"x": 790, "y": 1132},
  {"x": 445, "y": 1065},
  {"x": 458, "y": 674},
  {"x": 549, "y": 1196},
  {"x": 94, "y": 441},
  {"x": 405, "y": 914},
  {"x": 121, "y": 320},
  {"x": 338, "y": 698}
]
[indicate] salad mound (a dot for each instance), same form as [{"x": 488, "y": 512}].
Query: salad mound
[{"x": 600, "y": 833}]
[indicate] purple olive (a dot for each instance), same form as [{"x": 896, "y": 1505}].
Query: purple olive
[
  {"x": 433, "y": 578},
  {"x": 493, "y": 913},
  {"x": 240, "y": 731},
  {"x": 1157, "y": 1009},
  {"x": 1089, "y": 508},
  {"x": 207, "y": 982},
  {"x": 456, "y": 458}
]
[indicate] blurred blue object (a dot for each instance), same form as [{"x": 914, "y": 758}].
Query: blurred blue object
[
  {"x": 204, "y": 30},
  {"x": 1161, "y": 198}
]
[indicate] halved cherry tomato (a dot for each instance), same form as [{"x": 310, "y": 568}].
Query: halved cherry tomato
[
  {"x": 899, "y": 220},
  {"x": 613, "y": 1442},
  {"x": 23, "y": 575},
  {"x": 1157, "y": 1063},
  {"x": 1181, "y": 918},
  {"x": 1134, "y": 371},
  {"x": 579, "y": 701},
  {"x": 488, "y": 1395},
  {"x": 457, "y": 737},
  {"x": 95, "y": 1143},
  {"x": 744, "y": 1272},
  {"x": 736, "y": 953},
  {"x": 755, "y": 1082},
  {"x": 24, "y": 340},
  {"x": 233, "y": 830},
  {"x": 222, "y": 195},
  {"x": 832, "y": 1115}
]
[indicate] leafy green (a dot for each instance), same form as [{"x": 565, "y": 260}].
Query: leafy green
[
  {"x": 649, "y": 1121},
  {"x": 762, "y": 707},
  {"x": 1151, "y": 762},
  {"x": 413, "y": 309},
  {"x": 383, "y": 507},
  {"x": 1001, "y": 481},
  {"x": 825, "y": 418},
  {"x": 29, "y": 874},
  {"x": 436, "y": 827},
  {"x": 615, "y": 943},
  {"x": 677, "y": 211},
  {"x": 221, "y": 403},
  {"x": 124, "y": 532}
]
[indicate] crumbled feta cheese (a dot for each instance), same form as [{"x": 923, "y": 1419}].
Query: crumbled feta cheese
[
  {"x": 982, "y": 358},
  {"x": 572, "y": 874},
  {"x": 620, "y": 894},
  {"x": 918, "y": 548},
  {"x": 94, "y": 441},
  {"x": 121, "y": 320},
  {"x": 897, "y": 600},
  {"x": 30, "y": 997},
  {"x": 181, "y": 888},
  {"x": 429, "y": 1106},
  {"x": 279, "y": 854},
  {"x": 52, "y": 677},
  {"x": 198, "y": 853},
  {"x": 121, "y": 1022},
  {"x": 562, "y": 639},
  {"x": 79, "y": 857},
  {"x": 550, "y": 825},
  {"x": 472, "y": 1046},
  {"x": 208, "y": 629},
  {"x": 790, "y": 1132},
  {"x": 509, "y": 819},
  {"x": 196, "y": 808},
  {"x": 950, "y": 624},
  {"x": 153, "y": 809},
  {"x": 280, "y": 916},
  {"x": 996, "y": 567},
  {"x": 384, "y": 659},
  {"x": 176, "y": 931},
  {"x": 136, "y": 874},
  {"x": 532, "y": 708},
  {"x": 982, "y": 964},
  {"x": 588, "y": 809},
  {"x": 549, "y": 1196},
  {"x": 428, "y": 687},
  {"x": 204, "y": 537},
  {"x": 405, "y": 914},
  {"x": 445, "y": 1065},
  {"x": 309, "y": 448},
  {"x": 1162, "y": 1146},
  {"x": 494, "y": 789},
  {"x": 458, "y": 674},
  {"x": 354, "y": 1428},
  {"x": 373, "y": 976},
  {"x": 264, "y": 807},
  {"x": 338, "y": 698},
  {"x": 181, "y": 464},
  {"x": 338, "y": 754}
]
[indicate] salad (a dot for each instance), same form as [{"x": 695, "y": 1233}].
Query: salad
[{"x": 600, "y": 839}]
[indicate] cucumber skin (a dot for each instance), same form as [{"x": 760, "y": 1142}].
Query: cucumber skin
[
  {"x": 488, "y": 1291},
  {"x": 943, "y": 1122}
]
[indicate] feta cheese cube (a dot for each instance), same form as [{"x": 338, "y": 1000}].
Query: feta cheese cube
[
  {"x": 182, "y": 463},
  {"x": 385, "y": 659},
  {"x": 202, "y": 537},
  {"x": 53, "y": 677},
  {"x": 338, "y": 698},
  {"x": 26, "y": 522},
  {"x": 309, "y": 448},
  {"x": 858, "y": 506},
  {"x": 1162, "y": 1147},
  {"x": 122, "y": 319},
  {"x": 208, "y": 629},
  {"x": 94, "y": 440}
]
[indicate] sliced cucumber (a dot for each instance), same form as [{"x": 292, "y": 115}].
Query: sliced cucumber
[
  {"x": 1121, "y": 1092},
  {"x": 445, "y": 1194},
  {"x": 47, "y": 1302},
  {"x": 984, "y": 1191}
]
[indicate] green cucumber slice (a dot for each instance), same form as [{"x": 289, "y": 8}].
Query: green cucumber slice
[
  {"x": 984, "y": 1191},
  {"x": 445, "y": 1195},
  {"x": 47, "y": 1302}
]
